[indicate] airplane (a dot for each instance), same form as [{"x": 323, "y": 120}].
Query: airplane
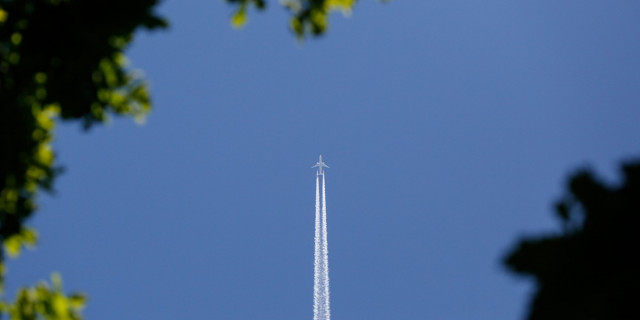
[{"x": 320, "y": 165}]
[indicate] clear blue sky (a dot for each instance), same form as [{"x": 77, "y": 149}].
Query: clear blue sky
[{"x": 450, "y": 128}]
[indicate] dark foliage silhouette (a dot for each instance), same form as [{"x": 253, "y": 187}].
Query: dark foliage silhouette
[{"x": 590, "y": 270}]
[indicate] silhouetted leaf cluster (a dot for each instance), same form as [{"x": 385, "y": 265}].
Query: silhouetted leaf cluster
[
  {"x": 591, "y": 269},
  {"x": 59, "y": 58}
]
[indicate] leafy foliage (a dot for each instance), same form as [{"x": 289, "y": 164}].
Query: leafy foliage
[
  {"x": 590, "y": 270},
  {"x": 58, "y": 59},
  {"x": 308, "y": 17},
  {"x": 43, "y": 302}
]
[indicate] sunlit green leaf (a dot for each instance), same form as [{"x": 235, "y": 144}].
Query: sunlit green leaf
[
  {"x": 14, "y": 244},
  {"x": 239, "y": 18}
]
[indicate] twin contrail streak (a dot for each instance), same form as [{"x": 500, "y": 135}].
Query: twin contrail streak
[{"x": 321, "y": 309}]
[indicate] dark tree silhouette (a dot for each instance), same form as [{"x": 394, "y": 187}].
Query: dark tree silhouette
[{"x": 591, "y": 269}]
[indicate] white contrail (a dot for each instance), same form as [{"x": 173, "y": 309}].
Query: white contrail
[
  {"x": 325, "y": 249},
  {"x": 321, "y": 309},
  {"x": 317, "y": 262}
]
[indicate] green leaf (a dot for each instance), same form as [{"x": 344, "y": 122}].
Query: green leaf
[
  {"x": 239, "y": 18},
  {"x": 25, "y": 238}
]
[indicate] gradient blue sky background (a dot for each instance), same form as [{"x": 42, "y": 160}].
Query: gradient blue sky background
[{"x": 450, "y": 128}]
